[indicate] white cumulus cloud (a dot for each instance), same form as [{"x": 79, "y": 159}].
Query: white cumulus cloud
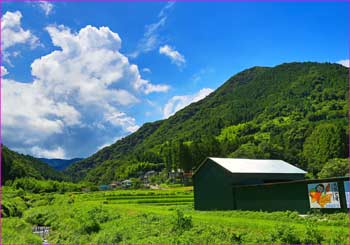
[
  {"x": 91, "y": 65},
  {"x": 51, "y": 153},
  {"x": 174, "y": 55},
  {"x": 29, "y": 116},
  {"x": 146, "y": 70},
  {"x": 345, "y": 63},
  {"x": 46, "y": 6},
  {"x": 178, "y": 102},
  {"x": 85, "y": 87},
  {"x": 4, "y": 71},
  {"x": 12, "y": 32}
]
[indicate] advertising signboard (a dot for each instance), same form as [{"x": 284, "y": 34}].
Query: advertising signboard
[{"x": 324, "y": 195}]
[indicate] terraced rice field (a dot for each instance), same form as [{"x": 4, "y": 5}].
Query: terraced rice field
[{"x": 163, "y": 197}]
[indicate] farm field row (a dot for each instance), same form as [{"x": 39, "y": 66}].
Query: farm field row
[{"x": 166, "y": 216}]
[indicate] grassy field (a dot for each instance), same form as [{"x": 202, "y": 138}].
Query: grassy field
[{"x": 155, "y": 216}]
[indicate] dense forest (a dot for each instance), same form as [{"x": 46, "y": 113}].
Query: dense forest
[
  {"x": 15, "y": 165},
  {"x": 296, "y": 112}
]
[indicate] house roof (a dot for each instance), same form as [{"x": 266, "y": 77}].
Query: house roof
[{"x": 237, "y": 165}]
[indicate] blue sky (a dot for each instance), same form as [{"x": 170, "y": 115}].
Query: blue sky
[{"x": 78, "y": 76}]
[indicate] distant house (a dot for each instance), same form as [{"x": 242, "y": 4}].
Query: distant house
[
  {"x": 126, "y": 183},
  {"x": 114, "y": 184},
  {"x": 173, "y": 174},
  {"x": 179, "y": 175},
  {"x": 150, "y": 173},
  {"x": 187, "y": 178},
  {"x": 85, "y": 189},
  {"x": 103, "y": 187},
  {"x": 188, "y": 174}
]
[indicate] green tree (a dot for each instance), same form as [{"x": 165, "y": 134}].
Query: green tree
[
  {"x": 250, "y": 150},
  {"x": 326, "y": 141},
  {"x": 185, "y": 158},
  {"x": 166, "y": 155},
  {"x": 335, "y": 167}
]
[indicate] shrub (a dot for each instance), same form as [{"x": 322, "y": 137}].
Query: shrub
[
  {"x": 16, "y": 231},
  {"x": 182, "y": 222},
  {"x": 99, "y": 214},
  {"x": 237, "y": 238},
  {"x": 88, "y": 226},
  {"x": 37, "y": 216},
  {"x": 285, "y": 234},
  {"x": 338, "y": 237},
  {"x": 13, "y": 207},
  {"x": 312, "y": 235},
  {"x": 109, "y": 237},
  {"x": 44, "y": 186}
]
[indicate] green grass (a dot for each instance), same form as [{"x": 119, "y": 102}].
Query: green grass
[{"x": 161, "y": 216}]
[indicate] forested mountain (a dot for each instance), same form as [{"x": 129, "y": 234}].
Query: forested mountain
[
  {"x": 15, "y": 165},
  {"x": 59, "y": 164},
  {"x": 295, "y": 111}
]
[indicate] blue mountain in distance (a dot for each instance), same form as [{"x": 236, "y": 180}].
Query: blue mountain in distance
[{"x": 59, "y": 164}]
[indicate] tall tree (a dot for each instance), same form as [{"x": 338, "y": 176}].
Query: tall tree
[{"x": 326, "y": 141}]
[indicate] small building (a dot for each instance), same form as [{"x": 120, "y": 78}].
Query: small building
[
  {"x": 266, "y": 185},
  {"x": 214, "y": 178},
  {"x": 114, "y": 184},
  {"x": 176, "y": 175},
  {"x": 103, "y": 187},
  {"x": 126, "y": 183},
  {"x": 149, "y": 174},
  {"x": 187, "y": 178}
]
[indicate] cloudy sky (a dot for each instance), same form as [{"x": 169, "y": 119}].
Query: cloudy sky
[{"x": 78, "y": 76}]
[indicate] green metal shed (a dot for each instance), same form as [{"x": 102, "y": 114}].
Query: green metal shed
[{"x": 215, "y": 177}]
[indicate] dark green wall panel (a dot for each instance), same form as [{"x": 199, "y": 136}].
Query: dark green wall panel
[
  {"x": 273, "y": 197},
  {"x": 212, "y": 188},
  {"x": 283, "y": 196}
]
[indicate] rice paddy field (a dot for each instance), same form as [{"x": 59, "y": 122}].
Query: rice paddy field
[{"x": 153, "y": 217}]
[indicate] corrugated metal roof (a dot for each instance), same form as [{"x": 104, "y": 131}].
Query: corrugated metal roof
[{"x": 237, "y": 165}]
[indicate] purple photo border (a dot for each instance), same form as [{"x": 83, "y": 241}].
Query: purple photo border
[
  {"x": 349, "y": 105},
  {"x": 134, "y": 1},
  {"x": 0, "y": 124}
]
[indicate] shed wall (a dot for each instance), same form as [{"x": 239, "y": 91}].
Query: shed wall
[
  {"x": 292, "y": 196},
  {"x": 262, "y": 178},
  {"x": 212, "y": 188}
]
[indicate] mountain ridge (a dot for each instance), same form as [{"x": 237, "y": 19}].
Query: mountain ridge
[
  {"x": 59, "y": 164},
  {"x": 305, "y": 93},
  {"x": 15, "y": 165}
]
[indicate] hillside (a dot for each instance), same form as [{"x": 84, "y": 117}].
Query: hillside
[
  {"x": 15, "y": 165},
  {"x": 59, "y": 164},
  {"x": 295, "y": 111}
]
